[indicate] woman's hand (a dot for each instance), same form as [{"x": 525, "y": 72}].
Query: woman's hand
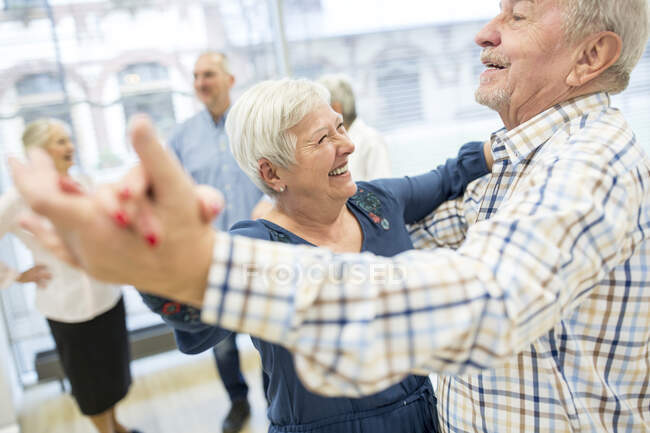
[{"x": 38, "y": 274}]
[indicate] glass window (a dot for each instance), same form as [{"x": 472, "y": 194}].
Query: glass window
[
  {"x": 43, "y": 83},
  {"x": 398, "y": 84},
  {"x": 22, "y": 4},
  {"x": 143, "y": 72},
  {"x": 157, "y": 105},
  {"x": 145, "y": 89}
]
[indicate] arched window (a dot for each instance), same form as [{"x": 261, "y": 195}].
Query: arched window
[
  {"x": 41, "y": 95},
  {"x": 145, "y": 89}
]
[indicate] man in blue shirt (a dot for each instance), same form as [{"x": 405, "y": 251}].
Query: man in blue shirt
[{"x": 201, "y": 145}]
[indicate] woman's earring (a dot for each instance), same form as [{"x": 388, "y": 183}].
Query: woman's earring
[{"x": 282, "y": 189}]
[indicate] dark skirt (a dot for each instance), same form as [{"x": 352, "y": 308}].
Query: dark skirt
[{"x": 95, "y": 358}]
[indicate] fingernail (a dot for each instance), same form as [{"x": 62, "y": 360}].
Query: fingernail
[
  {"x": 121, "y": 218},
  {"x": 152, "y": 239},
  {"x": 215, "y": 209},
  {"x": 125, "y": 193}
]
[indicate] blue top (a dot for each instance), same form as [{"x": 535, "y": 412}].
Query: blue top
[
  {"x": 201, "y": 146},
  {"x": 382, "y": 207}
]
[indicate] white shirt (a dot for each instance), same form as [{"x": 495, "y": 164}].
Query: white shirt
[
  {"x": 370, "y": 157},
  {"x": 70, "y": 296}
]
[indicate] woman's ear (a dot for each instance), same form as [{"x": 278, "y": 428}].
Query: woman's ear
[{"x": 269, "y": 174}]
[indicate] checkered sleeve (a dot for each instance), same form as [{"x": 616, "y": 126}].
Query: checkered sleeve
[
  {"x": 447, "y": 225},
  {"x": 358, "y": 323}
]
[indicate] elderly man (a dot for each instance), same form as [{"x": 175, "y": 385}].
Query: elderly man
[
  {"x": 535, "y": 315},
  {"x": 201, "y": 146},
  {"x": 370, "y": 157}
]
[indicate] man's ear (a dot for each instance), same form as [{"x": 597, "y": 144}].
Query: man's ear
[
  {"x": 269, "y": 174},
  {"x": 597, "y": 53}
]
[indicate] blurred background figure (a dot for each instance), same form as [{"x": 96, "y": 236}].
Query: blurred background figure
[
  {"x": 201, "y": 145},
  {"x": 370, "y": 159},
  {"x": 86, "y": 317}
]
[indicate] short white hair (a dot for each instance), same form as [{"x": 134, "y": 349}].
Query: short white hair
[
  {"x": 258, "y": 123},
  {"x": 341, "y": 90},
  {"x": 38, "y": 132},
  {"x": 627, "y": 18}
]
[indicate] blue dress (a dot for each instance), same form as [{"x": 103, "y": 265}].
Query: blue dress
[{"x": 382, "y": 208}]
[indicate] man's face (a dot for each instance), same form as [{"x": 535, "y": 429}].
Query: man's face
[
  {"x": 527, "y": 60},
  {"x": 211, "y": 84}
]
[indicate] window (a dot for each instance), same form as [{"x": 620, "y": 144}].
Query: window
[
  {"x": 41, "y": 95},
  {"x": 22, "y": 4},
  {"x": 38, "y": 84},
  {"x": 133, "y": 75},
  {"x": 398, "y": 84},
  {"x": 145, "y": 89}
]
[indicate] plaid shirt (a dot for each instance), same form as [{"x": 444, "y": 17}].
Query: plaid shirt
[{"x": 533, "y": 312}]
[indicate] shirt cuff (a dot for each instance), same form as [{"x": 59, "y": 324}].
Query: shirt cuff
[
  {"x": 258, "y": 287},
  {"x": 471, "y": 160}
]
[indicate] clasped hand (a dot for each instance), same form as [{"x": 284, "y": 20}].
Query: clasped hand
[{"x": 148, "y": 230}]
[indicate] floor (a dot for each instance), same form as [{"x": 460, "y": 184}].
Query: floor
[{"x": 171, "y": 393}]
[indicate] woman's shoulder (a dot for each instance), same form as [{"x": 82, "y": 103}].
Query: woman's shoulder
[
  {"x": 373, "y": 188},
  {"x": 374, "y": 201},
  {"x": 251, "y": 229}
]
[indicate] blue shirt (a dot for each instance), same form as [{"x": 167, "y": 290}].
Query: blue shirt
[
  {"x": 382, "y": 208},
  {"x": 201, "y": 146}
]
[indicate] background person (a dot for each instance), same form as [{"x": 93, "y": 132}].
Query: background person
[
  {"x": 86, "y": 317},
  {"x": 201, "y": 146},
  {"x": 370, "y": 159}
]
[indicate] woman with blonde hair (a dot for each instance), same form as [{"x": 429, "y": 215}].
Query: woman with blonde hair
[{"x": 86, "y": 317}]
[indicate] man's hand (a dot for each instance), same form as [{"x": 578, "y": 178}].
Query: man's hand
[{"x": 167, "y": 252}]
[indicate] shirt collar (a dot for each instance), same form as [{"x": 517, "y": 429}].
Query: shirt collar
[
  {"x": 220, "y": 124},
  {"x": 517, "y": 143}
]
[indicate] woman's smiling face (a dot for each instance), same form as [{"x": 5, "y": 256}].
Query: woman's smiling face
[
  {"x": 60, "y": 148},
  {"x": 321, "y": 155}
]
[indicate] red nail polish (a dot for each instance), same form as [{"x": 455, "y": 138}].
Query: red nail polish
[
  {"x": 125, "y": 193},
  {"x": 121, "y": 218},
  {"x": 152, "y": 239}
]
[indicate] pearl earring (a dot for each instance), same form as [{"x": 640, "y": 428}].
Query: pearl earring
[{"x": 282, "y": 189}]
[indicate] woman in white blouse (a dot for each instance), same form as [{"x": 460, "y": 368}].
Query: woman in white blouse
[{"x": 86, "y": 317}]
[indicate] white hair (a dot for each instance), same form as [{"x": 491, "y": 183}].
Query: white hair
[
  {"x": 258, "y": 123},
  {"x": 341, "y": 90},
  {"x": 627, "y": 18},
  {"x": 38, "y": 132}
]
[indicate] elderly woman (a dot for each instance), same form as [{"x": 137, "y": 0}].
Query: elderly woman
[
  {"x": 290, "y": 142},
  {"x": 86, "y": 317}
]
